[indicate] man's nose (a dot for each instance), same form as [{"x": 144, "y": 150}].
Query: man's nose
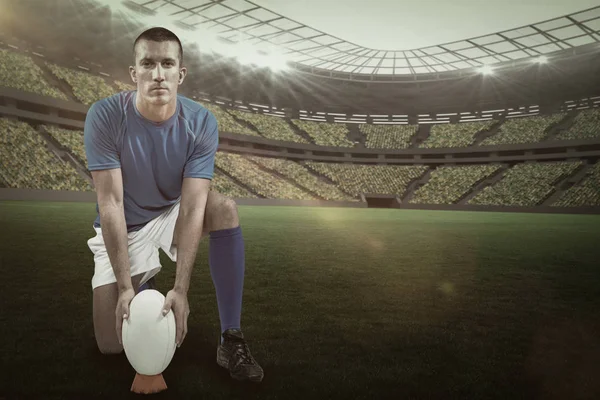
[{"x": 159, "y": 74}]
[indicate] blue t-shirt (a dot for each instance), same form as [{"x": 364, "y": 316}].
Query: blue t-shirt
[{"x": 153, "y": 157}]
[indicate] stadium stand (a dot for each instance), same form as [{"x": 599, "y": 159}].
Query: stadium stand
[
  {"x": 72, "y": 141},
  {"x": 523, "y": 130},
  {"x": 525, "y": 184},
  {"x": 325, "y": 134},
  {"x": 263, "y": 183},
  {"x": 87, "y": 88},
  {"x": 372, "y": 179},
  {"x": 447, "y": 184},
  {"x": 455, "y": 135},
  {"x": 585, "y": 193},
  {"x": 20, "y": 72},
  {"x": 302, "y": 177},
  {"x": 27, "y": 164},
  {"x": 124, "y": 86},
  {"x": 225, "y": 185},
  {"x": 586, "y": 125},
  {"x": 388, "y": 136},
  {"x": 226, "y": 122},
  {"x": 271, "y": 127}
]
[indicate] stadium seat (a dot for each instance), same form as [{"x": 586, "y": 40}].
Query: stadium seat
[
  {"x": 585, "y": 193},
  {"x": 262, "y": 182},
  {"x": 325, "y": 134},
  {"x": 455, "y": 135},
  {"x": 586, "y": 125},
  {"x": 87, "y": 88},
  {"x": 19, "y": 71},
  {"x": 226, "y": 186},
  {"x": 302, "y": 177},
  {"x": 373, "y": 179},
  {"x": 447, "y": 184},
  {"x": 271, "y": 127},
  {"x": 526, "y": 184},
  {"x": 27, "y": 164},
  {"x": 523, "y": 130},
  {"x": 72, "y": 141},
  {"x": 388, "y": 136},
  {"x": 226, "y": 122}
]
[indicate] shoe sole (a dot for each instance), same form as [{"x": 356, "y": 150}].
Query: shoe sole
[{"x": 224, "y": 364}]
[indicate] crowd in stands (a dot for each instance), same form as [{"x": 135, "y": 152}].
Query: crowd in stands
[
  {"x": 20, "y": 72},
  {"x": 324, "y": 133},
  {"x": 447, "y": 184},
  {"x": 225, "y": 185},
  {"x": 369, "y": 179},
  {"x": 271, "y": 127},
  {"x": 527, "y": 184},
  {"x": 585, "y": 193},
  {"x": 523, "y": 130},
  {"x": 261, "y": 182},
  {"x": 302, "y": 177},
  {"x": 455, "y": 135},
  {"x": 28, "y": 164},
  {"x": 226, "y": 122},
  {"x": 586, "y": 125},
  {"x": 86, "y": 87},
  {"x": 388, "y": 136},
  {"x": 70, "y": 140},
  {"x": 122, "y": 86}
]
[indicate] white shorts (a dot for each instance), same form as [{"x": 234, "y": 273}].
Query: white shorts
[{"x": 143, "y": 249}]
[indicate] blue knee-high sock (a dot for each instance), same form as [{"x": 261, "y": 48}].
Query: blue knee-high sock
[{"x": 227, "y": 264}]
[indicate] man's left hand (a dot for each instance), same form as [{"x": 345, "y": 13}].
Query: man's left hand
[{"x": 179, "y": 303}]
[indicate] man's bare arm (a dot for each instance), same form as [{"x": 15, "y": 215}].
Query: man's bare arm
[
  {"x": 188, "y": 228},
  {"x": 109, "y": 190}
]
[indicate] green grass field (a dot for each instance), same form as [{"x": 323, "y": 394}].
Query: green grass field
[{"x": 338, "y": 303}]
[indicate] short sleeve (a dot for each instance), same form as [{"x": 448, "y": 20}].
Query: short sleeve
[
  {"x": 201, "y": 162},
  {"x": 99, "y": 139}
]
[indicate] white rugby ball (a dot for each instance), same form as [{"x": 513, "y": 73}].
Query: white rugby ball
[{"x": 148, "y": 336}]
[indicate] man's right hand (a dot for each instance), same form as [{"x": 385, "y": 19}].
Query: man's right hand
[{"x": 122, "y": 311}]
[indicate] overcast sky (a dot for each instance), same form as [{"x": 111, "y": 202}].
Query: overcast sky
[{"x": 408, "y": 24}]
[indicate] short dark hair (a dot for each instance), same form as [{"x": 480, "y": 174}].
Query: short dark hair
[{"x": 159, "y": 34}]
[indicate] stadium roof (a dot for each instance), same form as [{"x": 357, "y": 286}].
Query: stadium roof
[{"x": 256, "y": 35}]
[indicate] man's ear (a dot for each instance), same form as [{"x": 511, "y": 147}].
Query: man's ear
[
  {"x": 132, "y": 74},
  {"x": 182, "y": 74}
]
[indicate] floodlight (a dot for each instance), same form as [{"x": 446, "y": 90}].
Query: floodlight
[
  {"x": 277, "y": 63},
  {"x": 486, "y": 70}
]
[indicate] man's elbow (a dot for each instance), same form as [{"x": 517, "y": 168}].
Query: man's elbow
[
  {"x": 111, "y": 209},
  {"x": 192, "y": 212}
]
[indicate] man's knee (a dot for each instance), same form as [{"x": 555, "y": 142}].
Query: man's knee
[
  {"x": 104, "y": 305},
  {"x": 110, "y": 348},
  {"x": 221, "y": 212},
  {"x": 228, "y": 208}
]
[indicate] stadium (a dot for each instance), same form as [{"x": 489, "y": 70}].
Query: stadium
[{"x": 420, "y": 222}]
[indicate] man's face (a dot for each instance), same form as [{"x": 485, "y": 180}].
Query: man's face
[{"x": 157, "y": 71}]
